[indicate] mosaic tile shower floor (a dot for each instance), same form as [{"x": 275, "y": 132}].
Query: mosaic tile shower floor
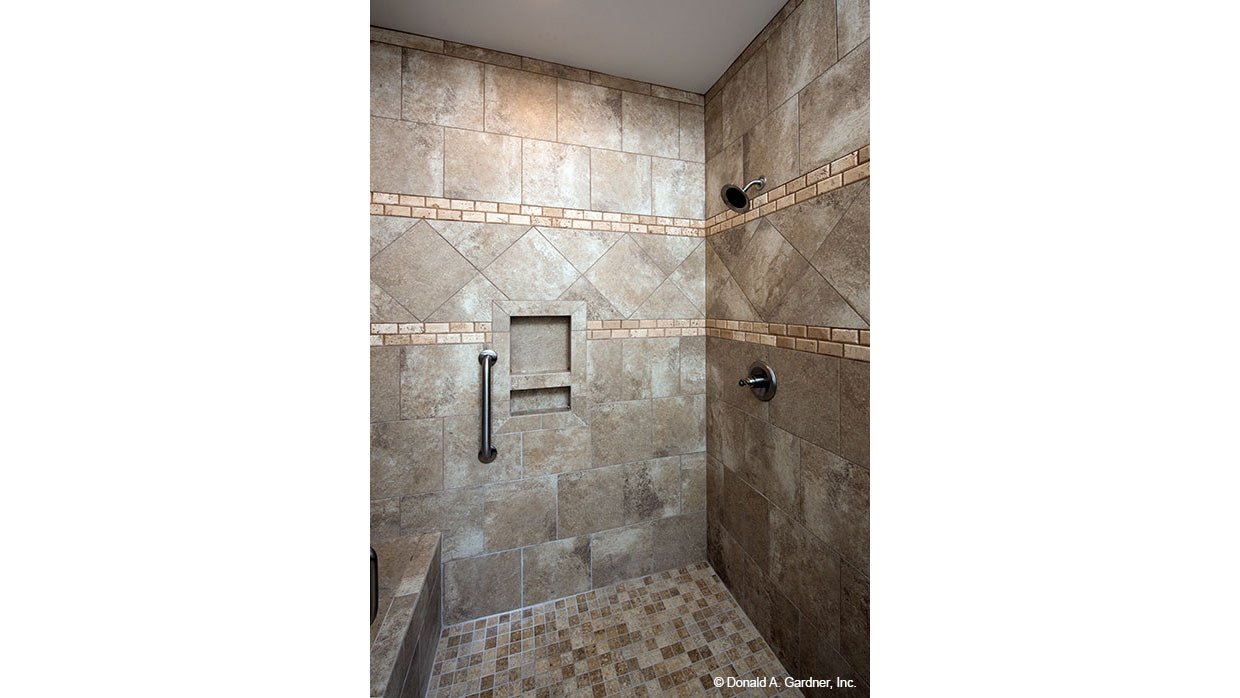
[{"x": 667, "y": 634}]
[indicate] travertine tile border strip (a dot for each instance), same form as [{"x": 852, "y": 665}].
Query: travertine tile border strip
[
  {"x": 531, "y": 65},
  {"x": 843, "y": 342},
  {"x": 626, "y": 329},
  {"x": 853, "y": 167},
  {"x": 436, "y": 208},
  {"x": 409, "y": 333}
]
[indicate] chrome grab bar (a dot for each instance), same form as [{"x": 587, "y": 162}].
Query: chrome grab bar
[
  {"x": 487, "y": 453},
  {"x": 374, "y": 585}
]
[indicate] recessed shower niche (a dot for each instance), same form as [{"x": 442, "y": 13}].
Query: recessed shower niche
[{"x": 545, "y": 354}]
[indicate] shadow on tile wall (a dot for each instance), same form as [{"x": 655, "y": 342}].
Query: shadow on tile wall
[{"x": 788, "y": 480}]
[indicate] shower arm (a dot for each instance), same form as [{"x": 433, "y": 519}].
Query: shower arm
[{"x": 761, "y": 182}]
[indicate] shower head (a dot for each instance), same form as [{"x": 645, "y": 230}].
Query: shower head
[{"x": 736, "y": 197}]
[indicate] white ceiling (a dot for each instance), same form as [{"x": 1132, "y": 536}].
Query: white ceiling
[{"x": 685, "y": 44}]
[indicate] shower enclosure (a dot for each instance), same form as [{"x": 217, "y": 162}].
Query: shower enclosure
[{"x": 577, "y": 331}]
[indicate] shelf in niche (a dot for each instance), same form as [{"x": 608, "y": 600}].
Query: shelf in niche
[{"x": 540, "y": 401}]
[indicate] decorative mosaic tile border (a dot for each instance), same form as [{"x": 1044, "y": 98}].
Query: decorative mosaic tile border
[
  {"x": 833, "y": 341},
  {"x": 405, "y": 206},
  {"x": 627, "y": 329},
  {"x": 407, "y": 333},
  {"x": 532, "y": 65},
  {"x": 390, "y": 333},
  {"x": 853, "y": 167}
]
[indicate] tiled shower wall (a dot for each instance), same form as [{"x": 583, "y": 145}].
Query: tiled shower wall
[
  {"x": 616, "y": 487},
  {"x": 788, "y": 480}
]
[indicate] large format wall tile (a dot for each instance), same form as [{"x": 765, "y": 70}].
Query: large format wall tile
[
  {"x": 555, "y": 569},
  {"x": 470, "y": 304},
  {"x": 679, "y": 424},
  {"x": 406, "y": 157},
  {"x": 771, "y": 146},
  {"x": 808, "y": 223},
  {"x": 855, "y": 411},
  {"x": 481, "y": 586},
  {"x": 551, "y": 451},
  {"x": 589, "y": 115},
  {"x": 553, "y": 174},
  {"x": 519, "y": 103},
  {"x": 692, "y": 133},
  {"x": 621, "y": 553},
  {"x": 461, "y": 465},
  {"x": 677, "y": 187},
  {"x": 591, "y": 500},
  {"x": 385, "y": 229},
  {"x": 440, "y": 380},
  {"x": 519, "y": 513},
  {"x": 619, "y": 182},
  {"x": 621, "y": 432},
  {"x": 480, "y": 243},
  {"x": 852, "y": 22},
  {"x": 420, "y": 270},
  {"x": 724, "y": 167},
  {"x": 384, "y": 80},
  {"x": 457, "y": 513},
  {"x": 531, "y": 269},
  {"x": 625, "y": 275},
  {"x": 633, "y": 369},
  {"x": 744, "y": 98},
  {"x": 800, "y": 49},
  {"x": 582, "y": 248},
  {"x": 385, "y": 308},
  {"x": 442, "y": 90},
  {"x": 690, "y": 278},
  {"x": 810, "y": 406},
  {"x": 677, "y": 541},
  {"x": 835, "y": 110},
  {"x": 844, "y": 256},
  {"x": 766, "y": 266},
  {"x": 406, "y": 457},
  {"x": 835, "y": 503},
  {"x": 651, "y": 125},
  {"x": 481, "y": 166},
  {"x": 651, "y": 490}
]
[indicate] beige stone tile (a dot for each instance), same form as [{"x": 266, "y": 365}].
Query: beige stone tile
[
  {"x": 461, "y": 445},
  {"x": 692, "y": 365},
  {"x": 810, "y": 407},
  {"x": 835, "y": 110},
  {"x": 744, "y": 97},
  {"x": 844, "y": 256},
  {"x": 651, "y": 126},
  {"x": 766, "y": 267},
  {"x": 590, "y": 500},
  {"x": 725, "y": 167},
  {"x": 480, "y": 243},
  {"x": 724, "y": 297},
  {"x": 677, "y": 187},
  {"x": 558, "y": 70},
  {"x": 441, "y": 90},
  {"x": 811, "y": 299},
  {"x": 678, "y": 541},
  {"x": 834, "y": 502},
  {"x": 853, "y": 24},
  {"x": 519, "y": 513},
  {"x": 388, "y": 36},
  {"x": 406, "y": 457},
  {"x": 692, "y": 133},
  {"x": 406, "y": 158},
  {"x": 481, "y": 586},
  {"x": 771, "y": 145},
  {"x": 554, "y": 174},
  {"x": 385, "y": 308},
  {"x": 385, "y": 229},
  {"x": 589, "y": 115},
  {"x": 531, "y": 269},
  {"x": 800, "y": 49},
  {"x": 597, "y": 306},
  {"x": 550, "y": 451},
  {"x": 772, "y": 462},
  {"x": 432, "y": 383},
  {"x": 808, "y": 223},
  {"x": 621, "y": 553},
  {"x": 456, "y": 513},
  {"x": 679, "y": 424},
  {"x": 519, "y": 103},
  {"x": 484, "y": 55},
  {"x": 621, "y": 432},
  {"x": 625, "y": 276},
  {"x": 693, "y": 482},
  {"x": 555, "y": 569},
  {"x": 582, "y": 248},
  {"x": 633, "y": 369},
  {"x": 855, "y": 411},
  {"x": 482, "y": 166},
  {"x": 420, "y": 270},
  {"x": 690, "y": 278},
  {"x": 666, "y": 251},
  {"x": 651, "y": 489},
  {"x": 806, "y": 569},
  {"x": 384, "y": 80},
  {"x": 667, "y": 301},
  {"x": 620, "y": 182}
]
